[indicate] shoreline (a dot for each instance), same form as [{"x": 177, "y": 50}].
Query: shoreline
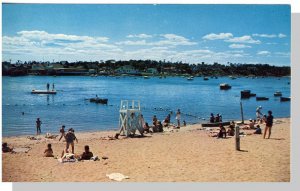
[
  {"x": 187, "y": 154},
  {"x": 116, "y": 130}
]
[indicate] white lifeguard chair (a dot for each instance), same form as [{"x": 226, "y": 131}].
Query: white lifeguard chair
[{"x": 129, "y": 122}]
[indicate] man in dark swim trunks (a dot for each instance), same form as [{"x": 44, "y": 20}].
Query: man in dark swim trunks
[{"x": 269, "y": 124}]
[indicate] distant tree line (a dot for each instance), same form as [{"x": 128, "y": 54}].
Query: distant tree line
[{"x": 163, "y": 67}]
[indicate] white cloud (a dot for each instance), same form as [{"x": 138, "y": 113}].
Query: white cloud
[
  {"x": 265, "y": 35},
  {"x": 271, "y": 43},
  {"x": 139, "y": 36},
  {"x": 264, "y": 53},
  {"x": 239, "y": 46},
  {"x": 243, "y": 39},
  {"x": 167, "y": 40},
  {"x": 280, "y": 35},
  {"x": 132, "y": 43},
  {"x": 213, "y": 36},
  {"x": 283, "y": 54}
]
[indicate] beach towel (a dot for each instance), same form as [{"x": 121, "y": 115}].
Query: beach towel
[
  {"x": 117, "y": 176},
  {"x": 21, "y": 149}
]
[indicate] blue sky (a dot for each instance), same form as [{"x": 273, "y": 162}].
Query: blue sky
[{"x": 188, "y": 33}]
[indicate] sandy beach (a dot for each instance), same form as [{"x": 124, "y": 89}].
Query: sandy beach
[{"x": 185, "y": 155}]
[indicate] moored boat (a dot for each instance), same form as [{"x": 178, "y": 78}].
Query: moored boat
[
  {"x": 262, "y": 98},
  {"x": 99, "y": 100},
  {"x": 225, "y": 86},
  {"x": 285, "y": 99},
  {"x": 277, "y": 94}
]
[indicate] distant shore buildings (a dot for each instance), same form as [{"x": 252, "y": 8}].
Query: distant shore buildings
[{"x": 140, "y": 68}]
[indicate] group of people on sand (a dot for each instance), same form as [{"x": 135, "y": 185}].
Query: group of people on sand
[
  {"x": 252, "y": 125},
  {"x": 157, "y": 125},
  {"x": 267, "y": 119},
  {"x": 69, "y": 137}
]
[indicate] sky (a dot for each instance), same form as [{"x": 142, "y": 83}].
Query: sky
[{"x": 187, "y": 33}]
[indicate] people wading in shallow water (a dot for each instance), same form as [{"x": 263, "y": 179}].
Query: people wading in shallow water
[{"x": 38, "y": 126}]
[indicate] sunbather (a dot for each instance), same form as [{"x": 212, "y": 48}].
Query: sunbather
[
  {"x": 86, "y": 155},
  {"x": 5, "y": 148}
]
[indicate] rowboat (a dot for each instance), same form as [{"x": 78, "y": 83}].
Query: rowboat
[
  {"x": 215, "y": 124},
  {"x": 225, "y": 86},
  {"x": 285, "y": 99},
  {"x": 261, "y": 98}
]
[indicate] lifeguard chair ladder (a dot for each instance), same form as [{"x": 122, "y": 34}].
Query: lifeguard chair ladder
[{"x": 130, "y": 111}]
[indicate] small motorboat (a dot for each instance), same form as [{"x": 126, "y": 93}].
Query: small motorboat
[
  {"x": 205, "y": 78},
  {"x": 43, "y": 91},
  {"x": 285, "y": 99},
  {"x": 277, "y": 94},
  {"x": 245, "y": 94},
  {"x": 262, "y": 98},
  {"x": 225, "y": 86},
  {"x": 99, "y": 100}
]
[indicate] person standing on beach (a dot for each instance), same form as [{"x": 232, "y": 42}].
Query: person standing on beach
[
  {"x": 38, "y": 126},
  {"x": 259, "y": 113},
  {"x": 52, "y": 86},
  {"x": 62, "y": 132},
  {"x": 269, "y": 124},
  {"x": 70, "y": 137},
  {"x": 178, "y": 118},
  {"x": 48, "y": 86}
]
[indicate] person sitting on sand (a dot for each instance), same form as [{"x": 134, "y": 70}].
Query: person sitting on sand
[
  {"x": 62, "y": 132},
  {"x": 70, "y": 137},
  {"x": 87, "y": 154},
  {"x": 257, "y": 130},
  {"x": 154, "y": 119},
  {"x": 222, "y": 132},
  {"x": 147, "y": 128},
  {"x": 5, "y": 148},
  {"x": 231, "y": 130},
  {"x": 167, "y": 120},
  {"x": 250, "y": 125},
  {"x": 48, "y": 152},
  {"x": 212, "y": 118},
  {"x": 159, "y": 126}
]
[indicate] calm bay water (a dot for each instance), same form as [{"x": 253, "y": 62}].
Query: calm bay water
[{"x": 196, "y": 99}]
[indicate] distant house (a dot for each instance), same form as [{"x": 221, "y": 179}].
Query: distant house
[
  {"x": 127, "y": 69},
  {"x": 152, "y": 71}
]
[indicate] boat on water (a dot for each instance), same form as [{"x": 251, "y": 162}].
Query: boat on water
[
  {"x": 232, "y": 77},
  {"x": 205, "y": 78},
  {"x": 99, "y": 100},
  {"x": 43, "y": 91},
  {"x": 146, "y": 77},
  {"x": 217, "y": 124},
  {"x": 277, "y": 94},
  {"x": 225, "y": 86},
  {"x": 285, "y": 98},
  {"x": 262, "y": 98}
]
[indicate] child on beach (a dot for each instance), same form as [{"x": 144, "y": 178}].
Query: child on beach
[
  {"x": 48, "y": 152},
  {"x": 86, "y": 155},
  {"x": 222, "y": 132},
  {"x": 62, "y": 132}
]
